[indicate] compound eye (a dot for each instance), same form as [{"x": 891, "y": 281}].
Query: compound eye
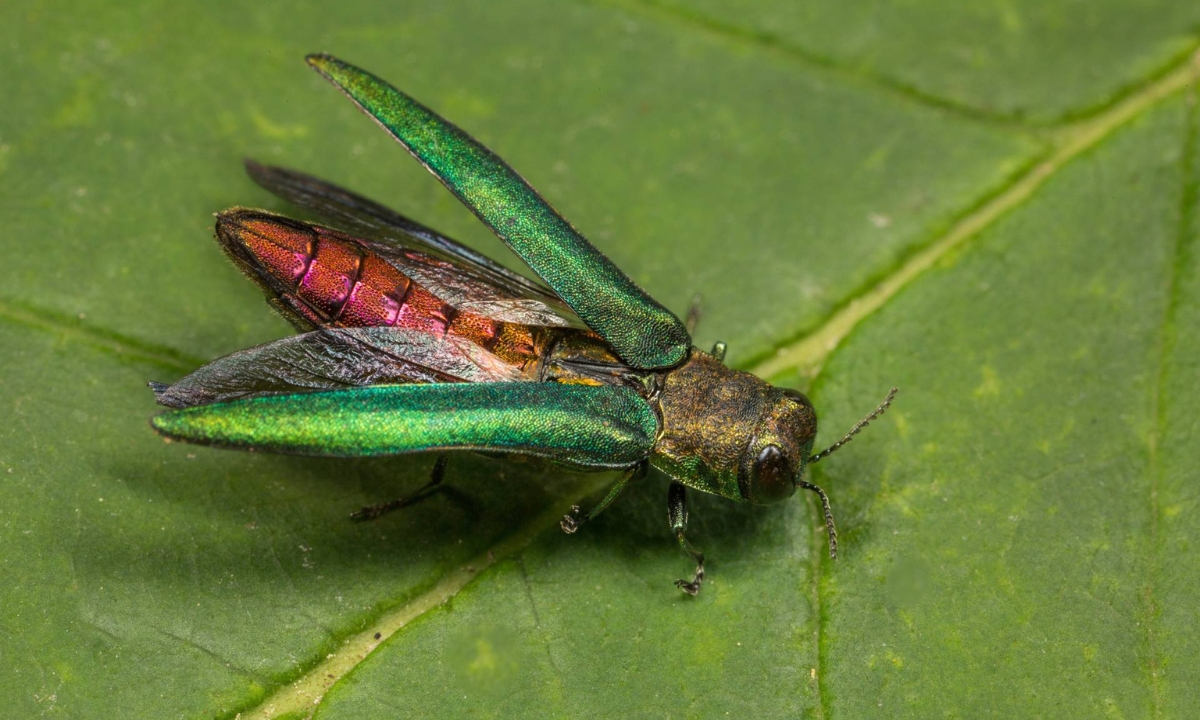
[
  {"x": 799, "y": 397},
  {"x": 770, "y": 477}
]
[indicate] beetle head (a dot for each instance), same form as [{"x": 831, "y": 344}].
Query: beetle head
[{"x": 772, "y": 466}]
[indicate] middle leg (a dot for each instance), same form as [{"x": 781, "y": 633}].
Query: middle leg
[
  {"x": 436, "y": 476},
  {"x": 678, "y": 516},
  {"x": 572, "y": 520}
]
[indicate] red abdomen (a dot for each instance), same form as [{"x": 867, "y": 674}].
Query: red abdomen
[{"x": 332, "y": 279}]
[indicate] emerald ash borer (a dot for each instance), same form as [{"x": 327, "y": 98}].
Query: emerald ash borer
[{"x": 411, "y": 342}]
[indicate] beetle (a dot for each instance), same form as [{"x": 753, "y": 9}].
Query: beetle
[{"x": 411, "y": 342}]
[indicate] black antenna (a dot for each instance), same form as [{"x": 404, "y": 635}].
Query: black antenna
[
  {"x": 887, "y": 402},
  {"x": 829, "y": 528}
]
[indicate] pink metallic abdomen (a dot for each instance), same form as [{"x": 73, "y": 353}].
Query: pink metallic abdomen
[{"x": 332, "y": 280}]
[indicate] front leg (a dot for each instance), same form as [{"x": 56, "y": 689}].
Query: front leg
[
  {"x": 677, "y": 515},
  {"x": 572, "y": 520}
]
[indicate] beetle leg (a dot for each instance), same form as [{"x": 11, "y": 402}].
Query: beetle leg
[
  {"x": 693, "y": 319},
  {"x": 693, "y": 315},
  {"x": 677, "y": 515},
  {"x": 572, "y": 520},
  {"x": 436, "y": 476}
]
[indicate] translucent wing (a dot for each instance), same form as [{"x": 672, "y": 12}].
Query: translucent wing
[
  {"x": 582, "y": 425},
  {"x": 335, "y": 358},
  {"x": 462, "y": 277},
  {"x": 644, "y": 333},
  {"x": 351, "y": 211},
  {"x": 468, "y": 291}
]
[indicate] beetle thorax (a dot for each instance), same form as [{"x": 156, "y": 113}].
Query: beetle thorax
[{"x": 710, "y": 414}]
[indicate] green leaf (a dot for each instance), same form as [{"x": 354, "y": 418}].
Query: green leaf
[
  {"x": 1019, "y": 59},
  {"x": 857, "y": 198}
]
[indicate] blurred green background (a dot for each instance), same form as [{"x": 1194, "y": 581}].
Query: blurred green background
[{"x": 993, "y": 205}]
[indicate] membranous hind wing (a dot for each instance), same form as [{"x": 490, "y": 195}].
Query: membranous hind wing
[
  {"x": 642, "y": 332},
  {"x": 333, "y": 359},
  {"x": 459, "y": 275}
]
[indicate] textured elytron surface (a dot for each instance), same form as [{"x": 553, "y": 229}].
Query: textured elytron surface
[
  {"x": 644, "y": 333},
  {"x": 581, "y": 425}
]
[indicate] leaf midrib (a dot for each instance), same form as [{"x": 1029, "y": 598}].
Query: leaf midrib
[
  {"x": 808, "y": 354},
  {"x": 304, "y": 694}
]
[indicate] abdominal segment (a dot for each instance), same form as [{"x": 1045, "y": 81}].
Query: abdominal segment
[{"x": 331, "y": 279}]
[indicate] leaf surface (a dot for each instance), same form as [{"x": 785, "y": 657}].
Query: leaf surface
[{"x": 1016, "y": 533}]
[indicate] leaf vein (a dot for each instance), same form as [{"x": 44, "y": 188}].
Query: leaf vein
[
  {"x": 765, "y": 40},
  {"x": 1189, "y": 197},
  {"x": 808, "y": 355},
  {"x": 303, "y": 695},
  {"x": 74, "y": 329}
]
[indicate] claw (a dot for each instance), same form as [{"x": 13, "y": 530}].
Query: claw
[
  {"x": 570, "y": 522},
  {"x": 692, "y": 588},
  {"x": 369, "y": 512}
]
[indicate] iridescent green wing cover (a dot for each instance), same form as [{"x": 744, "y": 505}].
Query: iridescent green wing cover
[
  {"x": 582, "y": 425},
  {"x": 645, "y": 334}
]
